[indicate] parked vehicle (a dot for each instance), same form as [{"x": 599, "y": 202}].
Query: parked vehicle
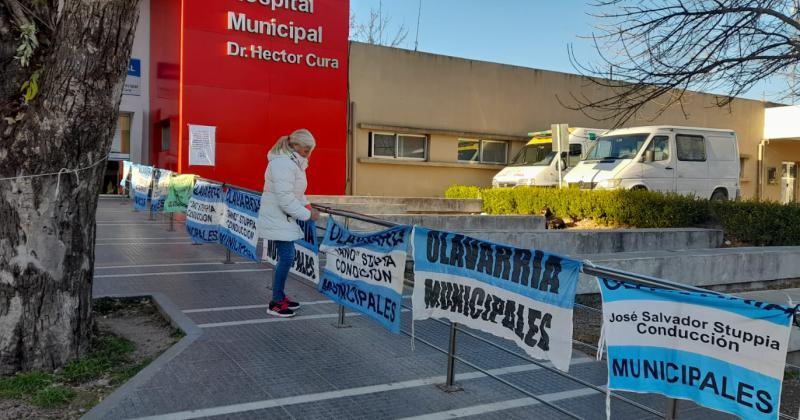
[
  {"x": 535, "y": 163},
  {"x": 686, "y": 160}
]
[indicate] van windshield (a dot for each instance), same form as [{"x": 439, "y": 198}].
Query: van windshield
[
  {"x": 549, "y": 159},
  {"x": 624, "y": 146},
  {"x": 531, "y": 154}
]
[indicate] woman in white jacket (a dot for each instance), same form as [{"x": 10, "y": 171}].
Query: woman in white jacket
[{"x": 283, "y": 202}]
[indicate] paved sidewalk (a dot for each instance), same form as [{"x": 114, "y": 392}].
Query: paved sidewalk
[{"x": 240, "y": 363}]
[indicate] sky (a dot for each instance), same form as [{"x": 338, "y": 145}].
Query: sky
[{"x": 528, "y": 33}]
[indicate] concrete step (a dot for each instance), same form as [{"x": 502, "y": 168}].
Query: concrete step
[
  {"x": 603, "y": 241},
  {"x": 412, "y": 204},
  {"x": 783, "y": 297},
  {"x": 724, "y": 268},
  {"x": 460, "y": 223}
]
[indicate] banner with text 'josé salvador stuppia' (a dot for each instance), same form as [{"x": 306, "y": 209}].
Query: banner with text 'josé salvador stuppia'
[
  {"x": 519, "y": 294},
  {"x": 237, "y": 231},
  {"x": 203, "y": 214},
  {"x": 306, "y": 252},
  {"x": 364, "y": 271},
  {"x": 719, "y": 351},
  {"x": 141, "y": 179}
]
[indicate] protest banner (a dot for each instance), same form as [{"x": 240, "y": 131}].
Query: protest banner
[
  {"x": 179, "y": 193},
  {"x": 237, "y": 231},
  {"x": 719, "y": 351},
  {"x": 141, "y": 178},
  {"x": 160, "y": 190},
  {"x": 203, "y": 214},
  {"x": 306, "y": 253},
  {"x": 364, "y": 271},
  {"x": 124, "y": 182},
  {"x": 519, "y": 294}
]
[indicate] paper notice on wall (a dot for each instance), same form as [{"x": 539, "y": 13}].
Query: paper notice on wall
[{"x": 202, "y": 145}]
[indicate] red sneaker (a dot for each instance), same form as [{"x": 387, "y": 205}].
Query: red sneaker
[{"x": 280, "y": 309}]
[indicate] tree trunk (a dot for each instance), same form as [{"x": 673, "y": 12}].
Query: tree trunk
[{"x": 47, "y": 223}]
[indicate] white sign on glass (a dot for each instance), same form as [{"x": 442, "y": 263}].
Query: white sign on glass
[{"x": 202, "y": 145}]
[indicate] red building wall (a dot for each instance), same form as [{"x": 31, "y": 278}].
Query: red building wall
[{"x": 251, "y": 101}]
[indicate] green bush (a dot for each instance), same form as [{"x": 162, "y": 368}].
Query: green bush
[
  {"x": 748, "y": 222},
  {"x": 462, "y": 191}
]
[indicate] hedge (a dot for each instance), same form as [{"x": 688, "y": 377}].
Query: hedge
[{"x": 749, "y": 222}]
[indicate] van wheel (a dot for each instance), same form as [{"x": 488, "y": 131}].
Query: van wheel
[
  {"x": 639, "y": 188},
  {"x": 719, "y": 195}
]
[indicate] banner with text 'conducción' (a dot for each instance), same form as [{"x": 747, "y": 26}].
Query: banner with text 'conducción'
[
  {"x": 141, "y": 178},
  {"x": 237, "y": 231},
  {"x": 204, "y": 212},
  {"x": 719, "y": 351},
  {"x": 523, "y": 295},
  {"x": 364, "y": 271},
  {"x": 306, "y": 252},
  {"x": 160, "y": 189}
]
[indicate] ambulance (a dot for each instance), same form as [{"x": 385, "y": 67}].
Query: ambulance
[{"x": 536, "y": 163}]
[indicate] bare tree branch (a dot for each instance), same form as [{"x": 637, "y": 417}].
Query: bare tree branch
[
  {"x": 375, "y": 30},
  {"x": 652, "y": 52}
]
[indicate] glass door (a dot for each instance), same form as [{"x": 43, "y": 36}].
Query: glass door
[{"x": 788, "y": 182}]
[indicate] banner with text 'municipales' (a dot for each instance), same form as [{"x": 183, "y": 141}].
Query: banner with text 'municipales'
[
  {"x": 237, "y": 231},
  {"x": 306, "y": 252},
  {"x": 141, "y": 178},
  {"x": 203, "y": 214},
  {"x": 364, "y": 271},
  {"x": 719, "y": 351},
  {"x": 522, "y": 295}
]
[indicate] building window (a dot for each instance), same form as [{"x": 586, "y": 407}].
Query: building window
[
  {"x": 398, "y": 146},
  {"x": 166, "y": 139},
  {"x": 469, "y": 150},
  {"x": 691, "y": 148},
  {"x": 482, "y": 151},
  {"x": 122, "y": 135}
]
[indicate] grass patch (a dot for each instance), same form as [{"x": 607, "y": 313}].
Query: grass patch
[
  {"x": 24, "y": 384},
  {"x": 120, "y": 376},
  {"x": 53, "y": 396},
  {"x": 108, "y": 352}
]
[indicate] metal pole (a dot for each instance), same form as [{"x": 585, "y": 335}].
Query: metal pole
[
  {"x": 672, "y": 409},
  {"x": 340, "y": 323},
  {"x": 171, "y": 223},
  {"x": 228, "y": 259},
  {"x": 450, "y": 385}
]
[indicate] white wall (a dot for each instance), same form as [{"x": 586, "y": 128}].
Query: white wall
[
  {"x": 781, "y": 122},
  {"x": 140, "y": 105}
]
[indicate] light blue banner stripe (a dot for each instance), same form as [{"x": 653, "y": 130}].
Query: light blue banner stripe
[
  {"x": 243, "y": 202},
  {"x": 237, "y": 244},
  {"x": 705, "y": 380},
  {"x": 202, "y": 233},
  {"x": 382, "y": 304},
  {"x": 384, "y": 241},
  {"x": 778, "y": 314},
  {"x": 567, "y": 277}
]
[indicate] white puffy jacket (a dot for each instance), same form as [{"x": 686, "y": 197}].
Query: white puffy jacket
[{"x": 283, "y": 200}]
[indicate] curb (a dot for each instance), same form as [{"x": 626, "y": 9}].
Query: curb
[{"x": 178, "y": 320}]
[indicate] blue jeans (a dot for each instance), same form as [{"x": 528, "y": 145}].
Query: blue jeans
[{"x": 285, "y": 261}]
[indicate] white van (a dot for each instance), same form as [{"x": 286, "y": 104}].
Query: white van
[
  {"x": 535, "y": 163},
  {"x": 686, "y": 160}
]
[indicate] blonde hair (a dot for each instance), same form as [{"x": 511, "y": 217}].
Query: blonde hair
[{"x": 300, "y": 137}]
